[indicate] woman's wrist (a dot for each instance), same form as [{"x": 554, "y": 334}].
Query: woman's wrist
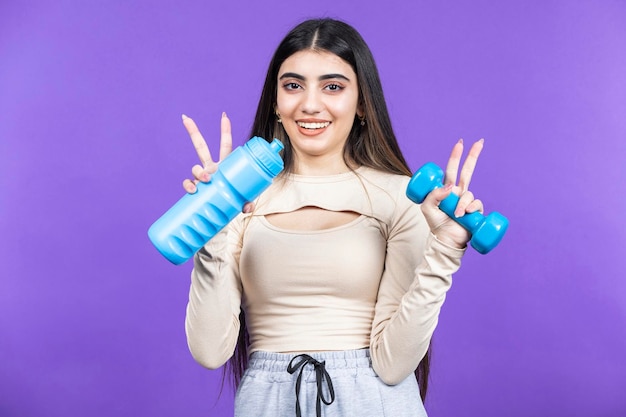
[{"x": 448, "y": 241}]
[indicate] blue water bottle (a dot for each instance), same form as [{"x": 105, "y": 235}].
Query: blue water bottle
[{"x": 196, "y": 218}]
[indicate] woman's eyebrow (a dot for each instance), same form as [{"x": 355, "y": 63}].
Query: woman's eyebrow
[
  {"x": 331, "y": 76},
  {"x": 321, "y": 77},
  {"x": 292, "y": 75}
]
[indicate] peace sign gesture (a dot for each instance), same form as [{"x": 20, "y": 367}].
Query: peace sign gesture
[
  {"x": 203, "y": 172},
  {"x": 442, "y": 226}
]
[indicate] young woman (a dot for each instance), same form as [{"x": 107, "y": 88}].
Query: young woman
[{"x": 324, "y": 294}]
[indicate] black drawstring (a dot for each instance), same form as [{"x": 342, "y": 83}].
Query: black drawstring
[{"x": 320, "y": 375}]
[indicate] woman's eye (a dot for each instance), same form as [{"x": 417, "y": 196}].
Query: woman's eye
[
  {"x": 292, "y": 86},
  {"x": 334, "y": 87}
]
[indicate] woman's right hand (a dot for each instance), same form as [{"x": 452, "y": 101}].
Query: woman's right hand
[{"x": 203, "y": 172}]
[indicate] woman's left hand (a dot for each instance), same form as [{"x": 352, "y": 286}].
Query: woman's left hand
[{"x": 443, "y": 227}]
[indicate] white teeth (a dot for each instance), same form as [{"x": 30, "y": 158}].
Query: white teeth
[{"x": 313, "y": 125}]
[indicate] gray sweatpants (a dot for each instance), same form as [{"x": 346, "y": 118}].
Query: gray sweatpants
[{"x": 346, "y": 378}]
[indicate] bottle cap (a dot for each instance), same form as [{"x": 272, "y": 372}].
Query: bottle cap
[{"x": 267, "y": 154}]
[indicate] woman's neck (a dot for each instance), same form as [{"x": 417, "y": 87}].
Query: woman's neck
[{"x": 318, "y": 166}]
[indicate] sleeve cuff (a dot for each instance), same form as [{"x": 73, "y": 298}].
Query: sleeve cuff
[{"x": 445, "y": 249}]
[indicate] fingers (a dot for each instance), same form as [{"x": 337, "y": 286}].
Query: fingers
[
  {"x": 200, "y": 173},
  {"x": 453, "y": 163},
  {"x": 440, "y": 218},
  {"x": 198, "y": 141},
  {"x": 203, "y": 172},
  {"x": 248, "y": 208},
  {"x": 435, "y": 197},
  {"x": 452, "y": 169},
  {"x": 465, "y": 199},
  {"x": 439, "y": 194},
  {"x": 226, "y": 138},
  {"x": 475, "y": 206},
  {"x": 466, "y": 203},
  {"x": 189, "y": 186},
  {"x": 470, "y": 164}
]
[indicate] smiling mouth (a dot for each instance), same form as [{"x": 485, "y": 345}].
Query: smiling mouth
[{"x": 313, "y": 126}]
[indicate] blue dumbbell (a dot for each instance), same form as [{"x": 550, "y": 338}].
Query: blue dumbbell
[{"x": 487, "y": 231}]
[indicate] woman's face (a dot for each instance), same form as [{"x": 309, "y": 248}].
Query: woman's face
[{"x": 317, "y": 100}]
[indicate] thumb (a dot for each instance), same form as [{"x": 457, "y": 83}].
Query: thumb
[{"x": 437, "y": 195}]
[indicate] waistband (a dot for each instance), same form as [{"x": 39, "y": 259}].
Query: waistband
[
  {"x": 278, "y": 362},
  {"x": 310, "y": 367}
]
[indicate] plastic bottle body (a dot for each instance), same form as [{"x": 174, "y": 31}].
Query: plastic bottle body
[{"x": 196, "y": 218}]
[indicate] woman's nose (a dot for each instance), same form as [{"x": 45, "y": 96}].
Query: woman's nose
[{"x": 312, "y": 102}]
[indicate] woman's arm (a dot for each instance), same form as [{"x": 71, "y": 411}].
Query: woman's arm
[
  {"x": 418, "y": 273},
  {"x": 212, "y": 320},
  {"x": 424, "y": 249}
]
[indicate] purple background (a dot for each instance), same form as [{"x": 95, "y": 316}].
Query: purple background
[{"x": 92, "y": 151}]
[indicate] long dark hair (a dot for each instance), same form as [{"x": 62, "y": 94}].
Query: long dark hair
[{"x": 372, "y": 144}]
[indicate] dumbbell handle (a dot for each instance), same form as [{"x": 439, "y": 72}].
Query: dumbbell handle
[{"x": 470, "y": 221}]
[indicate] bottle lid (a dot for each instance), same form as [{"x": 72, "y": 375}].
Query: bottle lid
[{"x": 267, "y": 154}]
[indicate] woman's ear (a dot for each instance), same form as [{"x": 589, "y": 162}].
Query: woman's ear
[
  {"x": 278, "y": 119},
  {"x": 360, "y": 111}
]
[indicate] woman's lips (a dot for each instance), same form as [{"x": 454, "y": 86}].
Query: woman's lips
[{"x": 312, "y": 128}]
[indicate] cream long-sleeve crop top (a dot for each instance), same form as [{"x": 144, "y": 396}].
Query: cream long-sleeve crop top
[{"x": 378, "y": 281}]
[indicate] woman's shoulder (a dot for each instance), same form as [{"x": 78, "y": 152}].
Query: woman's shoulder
[
  {"x": 388, "y": 182},
  {"x": 387, "y": 194}
]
